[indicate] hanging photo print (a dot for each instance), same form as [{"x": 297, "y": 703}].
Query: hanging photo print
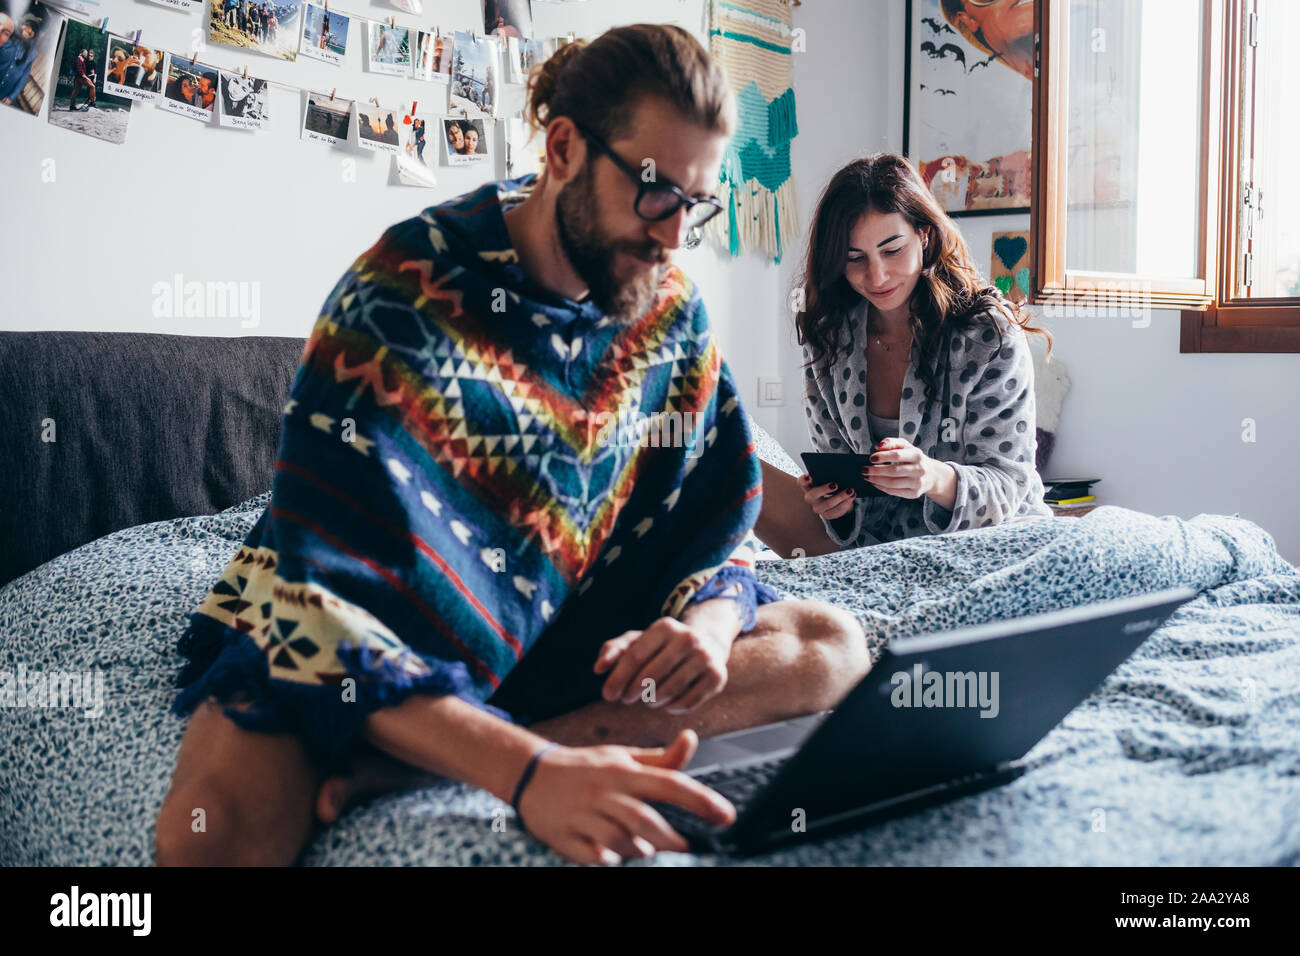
[
  {"x": 524, "y": 151},
  {"x": 133, "y": 70},
  {"x": 466, "y": 141},
  {"x": 261, "y": 26},
  {"x": 243, "y": 101},
  {"x": 474, "y": 74},
  {"x": 534, "y": 52},
  {"x": 969, "y": 103},
  {"x": 513, "y": 51},
  {"x": 29, "y": 33},
  {"x": 327, "y": 120},
  {"x": 434, "y": 59},
  {"x": 388, "y": 49},
  {"x": 507, "y": 18},
  {"x": 78, "y": 102},
  {"x": 191, "y": 89},
  {"x": 377, "y": 127},
  {"x": 324, "y": 35},
  {"x": 419, "y": 152}
]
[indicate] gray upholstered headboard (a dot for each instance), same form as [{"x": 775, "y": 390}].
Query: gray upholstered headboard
[{"x": 143, "y": 426}]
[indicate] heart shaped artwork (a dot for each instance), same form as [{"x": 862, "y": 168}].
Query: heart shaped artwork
[
  {"x": 1010, "y": 266},
  {"x": 1009, "y": 247}
]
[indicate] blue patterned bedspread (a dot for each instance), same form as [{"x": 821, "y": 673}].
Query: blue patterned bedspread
[{"x": 1188, "y": 754}]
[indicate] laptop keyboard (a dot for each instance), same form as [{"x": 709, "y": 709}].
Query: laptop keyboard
[{"x": 737, "y": 784}]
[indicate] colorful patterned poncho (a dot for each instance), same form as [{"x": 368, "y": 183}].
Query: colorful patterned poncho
[{"x": 467, "y": 461}]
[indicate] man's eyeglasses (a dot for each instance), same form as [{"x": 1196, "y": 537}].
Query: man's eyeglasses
[{"x": 658, "y": 200}]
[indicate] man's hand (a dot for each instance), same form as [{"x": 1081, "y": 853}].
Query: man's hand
[
  {"x": 591, "y": 804},
  {"x": 686, "y": 662}
]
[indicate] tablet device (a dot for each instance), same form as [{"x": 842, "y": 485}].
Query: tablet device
[{"x": 843, "y": 468}]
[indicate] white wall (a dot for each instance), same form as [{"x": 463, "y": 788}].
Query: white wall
[{"x": 1162, "y": 430}]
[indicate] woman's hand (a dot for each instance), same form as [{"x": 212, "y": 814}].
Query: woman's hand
[
  {"x": 590, "y": 804},
  {"x": 901, "y": 469},
  {"x": 825, "y": 501}
]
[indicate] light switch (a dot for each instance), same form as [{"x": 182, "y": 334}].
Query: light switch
[{"x": 771, "y": 391}]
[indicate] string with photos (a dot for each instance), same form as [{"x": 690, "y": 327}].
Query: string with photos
[{"x": 102, "y": 26}]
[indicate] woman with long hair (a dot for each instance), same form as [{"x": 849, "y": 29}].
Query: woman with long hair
[{"x": 910, "y": 357}]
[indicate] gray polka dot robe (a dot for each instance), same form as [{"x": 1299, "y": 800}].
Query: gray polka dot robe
[{"x": 986, "y": 431}]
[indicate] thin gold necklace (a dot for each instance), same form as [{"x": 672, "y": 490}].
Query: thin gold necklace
[{"x": 881, "y": 343}]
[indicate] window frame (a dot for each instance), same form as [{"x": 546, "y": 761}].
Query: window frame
[{"x": 1213, "y": 318}]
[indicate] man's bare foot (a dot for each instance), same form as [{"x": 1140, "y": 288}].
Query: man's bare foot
[{"x": 373, "y": 774}]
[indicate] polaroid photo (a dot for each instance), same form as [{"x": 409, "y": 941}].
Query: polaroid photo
[
  {"x": 191, "y": 88},
  {"x": 388, "y": 49},
  {"x": 133, "y": 70},
  {"x": 419, "y": 153},
  {"x": 466, "y": 140},
  {"x": 379, "y": 127},
  {"x": 324, "y": 35},
  {"x": 259, "y": 25},
  {"x": 76, "y": 103},
  {"x": 263, "y": 26},
  {"x": 524, "y": 150},
  {"x": 244, "y": 101},
  {"x": 474, "y": 74},
  {"x": 24, "y": 81},
  {"x": 507, "y": 18},
  {"x": 433, "y": 60},
  {"x": 513, "y": 52},
  {"x": 327, "y": 120},
  {"x": 535, "y": 52}
]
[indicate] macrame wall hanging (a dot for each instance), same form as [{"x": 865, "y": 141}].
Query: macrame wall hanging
[{"x": 752, "y": 41}]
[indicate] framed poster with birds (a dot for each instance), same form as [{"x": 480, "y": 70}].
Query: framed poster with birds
[{"x": 968, "y": 109}]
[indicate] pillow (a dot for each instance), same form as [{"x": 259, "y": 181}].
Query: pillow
[{"x": 108, "y": 430}]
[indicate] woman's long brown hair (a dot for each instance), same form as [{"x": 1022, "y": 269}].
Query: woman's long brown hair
[{"x": 950, "y": 294}]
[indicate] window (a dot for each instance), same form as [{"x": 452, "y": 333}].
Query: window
[{"x": 1161, "y": 131}]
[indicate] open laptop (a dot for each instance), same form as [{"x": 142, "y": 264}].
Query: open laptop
[{"x": 938, "y": 716}]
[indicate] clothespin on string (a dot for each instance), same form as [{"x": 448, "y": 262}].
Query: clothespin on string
[
  {"x": 137, "y": 36},
  {"x": 245, "y": 71},
  {"x": 332, "y": 92},
  {"x": 103, "y": 25}
]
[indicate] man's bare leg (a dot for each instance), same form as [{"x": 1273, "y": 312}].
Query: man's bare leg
[
  {"x": 245, "y": 798},
  {"x": 800, "y": 658},
  {"x": 238, "y": 797}
]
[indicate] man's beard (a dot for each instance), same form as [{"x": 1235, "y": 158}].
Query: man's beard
[{"x": 592, "y": 253}]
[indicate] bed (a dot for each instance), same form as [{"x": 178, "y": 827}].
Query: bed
[{"x": 1189, "y": 754}]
